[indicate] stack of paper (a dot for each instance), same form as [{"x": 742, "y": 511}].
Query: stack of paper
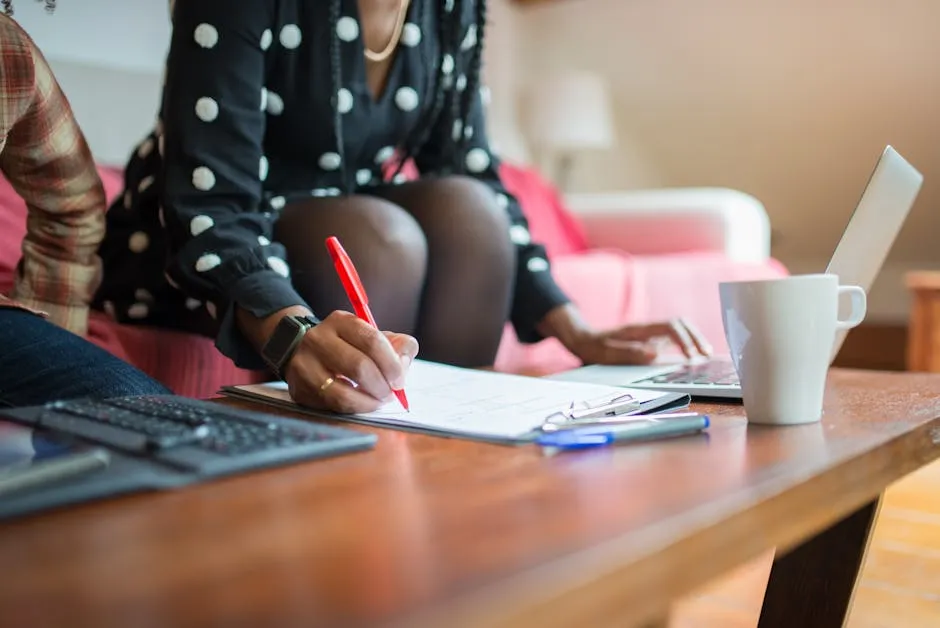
[{"x": 467, "y": 403}]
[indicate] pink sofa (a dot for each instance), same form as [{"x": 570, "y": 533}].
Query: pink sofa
[{"x": 629, "y": 257}]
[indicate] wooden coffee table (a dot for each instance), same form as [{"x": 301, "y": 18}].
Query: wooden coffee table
[{"x": 437, "y": 532}]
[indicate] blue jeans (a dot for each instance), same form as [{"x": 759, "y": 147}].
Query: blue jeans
[{"x": 40, "y": 362}]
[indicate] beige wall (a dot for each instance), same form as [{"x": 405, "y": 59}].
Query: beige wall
[{"x": 789, "y": 101}]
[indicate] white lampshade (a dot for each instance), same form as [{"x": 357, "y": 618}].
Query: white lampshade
[{"x": 569, "y": 112}]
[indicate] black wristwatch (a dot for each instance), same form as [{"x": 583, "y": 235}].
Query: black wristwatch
[{"x": 282, "y": 344}]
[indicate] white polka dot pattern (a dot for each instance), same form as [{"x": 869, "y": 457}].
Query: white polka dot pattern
[
  {"x": 478, "y": 160},
  {"x": 470, "y": 40},
  {"x": 447, "y": 64},
  {"x": 519, "y": 235},
  {"x": 296, "y": 151},
  {"x": 145, "y": 148},
  {"x": 207, "y": 262},
  {"x": 138, "y": 242},
  {"x": 344, "y": 100},
  {"x": 279, "y": 266},
  {"x": 410, "y": 35},
  {"x": 290, "y": 36},
  {"x": 206, "y": 35},
  {"x": 537, "y": 264},
  {"x": 203, "y": 179},
  {"x": 138, "y": 311},
  {"x": 109, "y": 308},
  {"x": 364, "y": 176},
  {"x": 199, "y": 224},
  {"x": 275, "y": 103},
  {"x": 207, "y": 109},
  {"x": 330, "y": 161},
  {"x": 406, "y": 98},
  {"x": 384, "y": 155},
  {"x": 347, "y": 28}
]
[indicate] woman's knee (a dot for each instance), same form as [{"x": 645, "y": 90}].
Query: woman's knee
[
  {"x": 386, "y": 243},
  {"x": 472, "y": 205},
  {"x": 463, "y": 218},
  {"x": 365, "y": 222}
]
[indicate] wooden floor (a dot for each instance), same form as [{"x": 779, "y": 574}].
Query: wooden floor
[{"x": 900, "y": 585}]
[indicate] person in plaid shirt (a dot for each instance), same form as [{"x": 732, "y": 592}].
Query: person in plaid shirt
[{"x": 44, "y": 156}]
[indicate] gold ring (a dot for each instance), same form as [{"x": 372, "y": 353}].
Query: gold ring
[{"x": 329, "y": 382}]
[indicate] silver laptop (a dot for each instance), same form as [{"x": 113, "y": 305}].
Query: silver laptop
[{"x": 858, "y": 258}]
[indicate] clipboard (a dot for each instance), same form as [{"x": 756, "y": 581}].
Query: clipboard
[
  {"x": 276, "y": 395},
  {"x": 622, "y": 405},
  {"x": 485, "y": 419}
]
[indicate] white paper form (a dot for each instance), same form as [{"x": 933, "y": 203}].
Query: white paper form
[{"x": 472, "y": 403}]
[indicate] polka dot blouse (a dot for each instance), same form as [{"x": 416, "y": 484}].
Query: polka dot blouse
[{"x": 246, "y": 126}]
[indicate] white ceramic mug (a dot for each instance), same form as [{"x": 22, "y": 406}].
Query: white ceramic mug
[{"x": 781, "y": 334}]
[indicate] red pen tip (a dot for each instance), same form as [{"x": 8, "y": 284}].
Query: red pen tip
[{"x": 403, "y": 399}]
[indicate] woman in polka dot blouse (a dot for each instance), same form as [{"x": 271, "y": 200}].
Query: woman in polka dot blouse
[{"x": 278, "y": 121}]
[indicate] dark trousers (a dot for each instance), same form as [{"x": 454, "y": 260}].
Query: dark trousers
[{"x": 40, "y": 362}]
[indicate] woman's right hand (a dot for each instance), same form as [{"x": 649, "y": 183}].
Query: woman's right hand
[{"x": 347, "y": 366}]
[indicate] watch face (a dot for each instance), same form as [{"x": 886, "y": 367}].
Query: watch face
[{"x": 282, "y": 341}]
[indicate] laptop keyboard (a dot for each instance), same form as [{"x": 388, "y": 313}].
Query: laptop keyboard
[
  {"x": 195, "y": 434},
  {"x": 710, "y": 373}
]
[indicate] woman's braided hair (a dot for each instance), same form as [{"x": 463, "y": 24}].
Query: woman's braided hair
[
  {"x": 439, "y": 96},
  {"x": 8, "y": 5}
]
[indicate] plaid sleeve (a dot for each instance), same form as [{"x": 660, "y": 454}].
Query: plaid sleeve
[{"x": 48, "y": 163}]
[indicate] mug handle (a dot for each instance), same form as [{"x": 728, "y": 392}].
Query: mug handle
[{"x": 859, "y": 306}]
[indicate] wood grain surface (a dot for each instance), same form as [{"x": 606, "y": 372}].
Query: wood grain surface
[{"x": 442, "y": 532}]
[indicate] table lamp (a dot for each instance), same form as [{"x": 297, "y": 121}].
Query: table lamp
[{"x": 565, "y": 114}]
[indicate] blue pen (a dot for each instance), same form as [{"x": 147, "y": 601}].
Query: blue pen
[{"x": 639, "y": 430}]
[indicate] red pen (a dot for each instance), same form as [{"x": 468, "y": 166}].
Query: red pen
[{"x": 356, "y": 293}]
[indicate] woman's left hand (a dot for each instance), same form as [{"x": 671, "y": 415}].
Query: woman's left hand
[
  {"x": 630, "y": 344},
  {"x": 639, "y": 344}
]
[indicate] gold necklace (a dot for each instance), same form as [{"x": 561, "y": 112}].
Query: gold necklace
[{"x": 393, "y": 41}]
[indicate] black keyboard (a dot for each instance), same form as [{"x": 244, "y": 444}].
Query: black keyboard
[
  {"x": 710, "y": 373},
  {"x": 198, "y": 436}
]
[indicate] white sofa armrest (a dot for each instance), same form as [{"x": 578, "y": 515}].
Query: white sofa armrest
[{"x": 673, "y": 220}]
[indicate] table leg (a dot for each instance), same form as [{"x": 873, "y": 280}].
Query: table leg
[{"x": 812, "y": 585}]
